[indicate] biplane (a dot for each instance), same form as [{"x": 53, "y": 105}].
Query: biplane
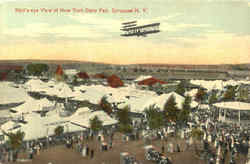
[{"x": 131, "y": 29}]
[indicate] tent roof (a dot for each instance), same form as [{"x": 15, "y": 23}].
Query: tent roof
[
  {"x": 140, "y": 103},
  {"x": 83, "y": 120},
  {"x": 33, "y": 105},
  {"x": 142, "y": 77},
  {"x": 10, "y": 94},
  {"x": 235, "y": 105}
]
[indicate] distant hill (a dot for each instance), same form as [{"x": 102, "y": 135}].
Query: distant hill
[
  {"x": 77, "y": 64},
  {"x": 188, "y": 66},
  {"x": 43, "y": 61}
]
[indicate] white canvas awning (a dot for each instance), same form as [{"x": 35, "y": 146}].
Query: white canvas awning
[{"x": 233, "y": 105}]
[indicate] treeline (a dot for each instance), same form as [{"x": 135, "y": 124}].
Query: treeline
[
  {"x": 240, "y": 67},
  {"x": 37, "y": 69}
]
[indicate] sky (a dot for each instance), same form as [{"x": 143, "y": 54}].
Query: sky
[{"x": 192, "y": 31}]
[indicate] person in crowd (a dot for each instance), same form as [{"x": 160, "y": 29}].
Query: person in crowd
[
  {"x": 31, "y": 153},
  {"x": 4, "y": 156},
  {"x": 187, "y": 144},
  {"x": 162, "y": 149},
  {"x": 178, "y": 148},
  {"x": 50, "y": 141},
  {"x": 1, "y": 154},
  {"x": 38, "y": 149},
  {"x": 87, "y": 149},
  {"x": 112, "y": 136},
  {"x": 92, "y": 153},
  {"x": 110, "y": 144}
]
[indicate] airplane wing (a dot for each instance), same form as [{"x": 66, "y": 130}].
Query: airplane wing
[
  {"x": 141, "y": 30},
  {"x": 126, "y": 23}
]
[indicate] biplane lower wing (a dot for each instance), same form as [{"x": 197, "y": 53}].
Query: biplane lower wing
[
  {"x": 141, "y": 33},
  {"x": 141, "y": 30}
]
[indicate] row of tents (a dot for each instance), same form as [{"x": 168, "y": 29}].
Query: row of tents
[{"x": 37, "y": 127}]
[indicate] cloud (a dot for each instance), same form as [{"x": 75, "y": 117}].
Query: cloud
[
  {"x": 167, "y": 26},
  {"x": 37, "y": 30},
  {"x": 88, "y": 27},
  {"x": 100, "y": 23},
  {"x": 217, "y": 48},
  {"x": 192, "y": 1}
]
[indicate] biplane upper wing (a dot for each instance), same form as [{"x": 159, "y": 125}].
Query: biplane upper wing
[
  {"x": 126, "y": 23},
  {"x": 141, "y": 30}
]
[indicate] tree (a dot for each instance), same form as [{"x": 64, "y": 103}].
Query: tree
[
  {"x": 15, "y": 142},
  {"x": 170, "y": 109},
  {"x": 96, "y": 124},
  {"x": 59, "y": 130},
  {"x": 125, "y": 128},
  {"x": 181, "y": 88},
  {"x": 155, "y": 117},
  {"x": 15, "y": 139},
  {"x": 75, "y": 82},
  {"x": 187, "y": 103},
  {"x": 183, "y": 115},
  {"x": 123, "y": 115},
  {"x": 37, "y": 69},
  {"x": 229, "y": 94},
  {"x": 124, "y": 120},
  {"x": 243, "y": 94},
  {"x": 213, "y": 98},
  {"x": 200, "y": 95},
  {"x": 105, "y": 105}
]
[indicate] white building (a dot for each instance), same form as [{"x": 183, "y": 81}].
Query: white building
[{"x": 236, "y": 112}]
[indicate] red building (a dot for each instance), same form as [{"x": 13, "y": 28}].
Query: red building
[
  {"x": 151, "y": 81},
  {"x": 83, "y": 75},
  {"x": 114, "y": 81}
]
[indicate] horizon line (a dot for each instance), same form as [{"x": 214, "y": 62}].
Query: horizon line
[{"x": 97, "y": 62}]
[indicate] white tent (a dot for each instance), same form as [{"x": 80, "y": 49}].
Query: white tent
[
  {"x": 83, "y": 120},
  {"x": 192, "y": 93},
  {"x": 142, "y": 77},
  {"x": 216, "y": 84},
  {"x": 10, "y": 94},
  {"x": 81, "y": 111},
  {"x": 40, "y": 127},
  {"x": 92, "y": 95},
  {"x": 9, "y": 126},
  {"x": 234, "y": 105},
  {"x": 161, "y": 100},
  {"x": 33, "y": 105},
  {"x": 138, "y": 105},
  {"x": 34, "y": 128},
  {"x": 36, "y": 85}
]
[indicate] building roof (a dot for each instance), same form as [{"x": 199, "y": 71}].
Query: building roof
[
  {"x": 59, "y": 70},
  {"x": 114, "y": 81},
  {"x": 10, "y": 94},
  {"x": 142, "y": 77},
  {"x": 234, "y": 105},
  {"x": 33, "y": 105},
  {"x": 70, "y": 71},
  {"x": 100, "y": 76},
  {"x": 151, "y": 81},
  {"x": 84, "y": 119},
  {"x": 83, "y": 75},
  {"x": 11, "y": 67},
  {"x": 138, "y": 104}
]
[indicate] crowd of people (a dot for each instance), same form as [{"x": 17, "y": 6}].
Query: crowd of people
[
  {"x": 229, "y": 139},
  {"x": 221, "y": 141}
]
